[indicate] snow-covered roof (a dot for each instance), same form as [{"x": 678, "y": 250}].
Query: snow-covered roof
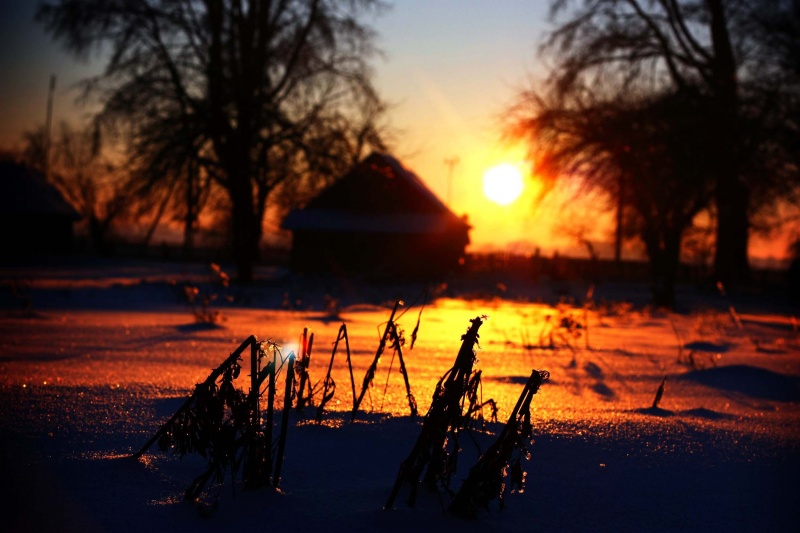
[{"x": 379, "y": 195}]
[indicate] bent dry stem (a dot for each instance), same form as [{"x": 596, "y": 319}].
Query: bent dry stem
[
  {"x": 486, "y": 480},
  {"x": 223, "y": 424},
  {"x": 389, "y": 333},
  {"x": 443, "y": 417},
  {"x": 304, "y": 391},
  {"x": 210, "y": 380},
  {"x": 329, "y": 385}
]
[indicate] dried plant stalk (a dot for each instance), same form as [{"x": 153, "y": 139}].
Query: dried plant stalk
[
  {"x": 287, "y": 405},
  {"x": 659, "y": 393},
  {"x": 329, "y": 385},
  {"x": 486, "y": 480},
  {"x": 304, "y": 392},
  {"x": 443, "y": 416}
]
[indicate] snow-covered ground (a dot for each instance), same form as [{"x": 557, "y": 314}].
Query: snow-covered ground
[{"x": 94, "y": 357}]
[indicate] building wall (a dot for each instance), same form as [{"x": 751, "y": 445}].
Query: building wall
[
  {"x": 377, "y": 255},
  {"x": 39, "y": 235}
]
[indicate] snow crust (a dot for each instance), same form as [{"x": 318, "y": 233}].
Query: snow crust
[{"x": 94, "y": 357}]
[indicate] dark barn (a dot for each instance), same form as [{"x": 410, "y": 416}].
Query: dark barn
[
  {"x": 378, "y": 221},
  {"x": 35, "y": 219}
]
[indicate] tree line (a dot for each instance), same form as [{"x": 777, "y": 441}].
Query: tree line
[
  {"x": 669, "y": 108},
  {"x": 242, "y": 103}
]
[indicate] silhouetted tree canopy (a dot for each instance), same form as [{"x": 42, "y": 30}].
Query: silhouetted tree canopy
[
  {"x": 635, "y": 151},
  {"x": 733, "y": 58},
  {"x": 249, "y": 94}
]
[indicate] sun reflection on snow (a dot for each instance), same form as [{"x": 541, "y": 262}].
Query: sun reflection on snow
[
  {"x": 327, "y": 422},
  {"x": 607, "y": 382}
]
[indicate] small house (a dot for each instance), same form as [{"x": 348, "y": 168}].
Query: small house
[
  {"x": 377, "y": 221},
  {"x": 35, "y": 219}
]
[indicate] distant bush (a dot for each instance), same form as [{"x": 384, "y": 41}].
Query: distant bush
[{"x": 202, "y": 299}]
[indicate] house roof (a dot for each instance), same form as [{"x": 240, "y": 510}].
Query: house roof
[
  {"x": 379, "y": 195},
  {"x": 24, "y": 191}
]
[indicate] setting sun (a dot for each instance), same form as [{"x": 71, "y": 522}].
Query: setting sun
[{"x": 503, "y": 184}]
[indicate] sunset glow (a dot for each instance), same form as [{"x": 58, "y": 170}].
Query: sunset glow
[{"x": 503, "y": 183}]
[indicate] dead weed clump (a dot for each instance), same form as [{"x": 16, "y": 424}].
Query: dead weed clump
[
  {"x": 393, "y": 336},
  {"x": 499, "y": 470},
  {"x": 202, "y": 298},
  {"x": 434, "y": 457},
  {"x": 224, "y": 424},
  {"x": 441, "y": 424}
]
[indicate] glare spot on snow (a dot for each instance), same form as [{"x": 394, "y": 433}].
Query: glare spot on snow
[
  {"x": 169, "y": 500},
  {"x": 291, "y": 347},
  {"x": 333, "y": 423},
  {"x": 104, "y": 455}
]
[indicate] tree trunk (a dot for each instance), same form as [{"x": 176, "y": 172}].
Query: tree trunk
[
  {"x": 191, "y": 211},
  {"x": 245, "y": 245},
  {"x": 664, "y": 256},
  {"x": 98, "y": 236},
  {"x": 732, "y": 196},
  {"x": 731, "y": 265},
  {"x": 620, "y": 220},
  {"x": 188, "y": 238},
  {"x": 246, "y": 225}
]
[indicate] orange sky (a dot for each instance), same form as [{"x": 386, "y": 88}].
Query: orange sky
[{"x": 450, "y": 69}]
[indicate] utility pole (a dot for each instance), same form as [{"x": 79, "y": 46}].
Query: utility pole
[
  {"x": 48, "y": 126},
  {"x": 451, "y": 163}
]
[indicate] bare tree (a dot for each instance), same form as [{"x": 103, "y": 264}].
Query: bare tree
[
  {"x": 257, "y": 91},
  {"x": 775, "y": 128},
  {"x": 98, "y": 189},
  {"x": 339, "y": 150},
  {"x": 634, "y": 151},
  {"x": 168, "y": 178},
  {"x": 706, "y": 46}
]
